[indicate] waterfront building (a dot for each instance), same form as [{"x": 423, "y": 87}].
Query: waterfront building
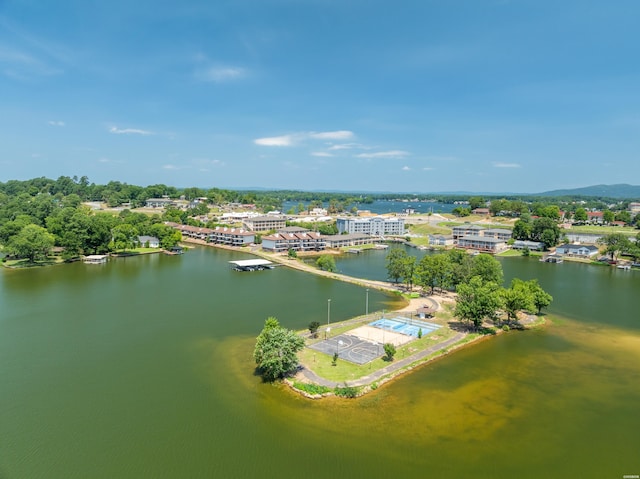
[
  {"x": 376, "y": 226},
  {"x": 148, "y": 241},
  {"x": 340, "y": 241},
  {"x": 577, "y": 250},
  {"x": 299, "y": 241},
  {"x": 441, "y": 240},
  {"x": 499, "y": 233},
  {"x": 466, "y": 230},
  {"x": 480, "y": 243},
  {"x": 231, "y": 236},
  {"x": 264, "y": 223},
  {"x": 532, "y": 245}
]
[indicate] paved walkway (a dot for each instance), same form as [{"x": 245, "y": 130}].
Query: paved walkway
[{"x": 396, "y": 365}]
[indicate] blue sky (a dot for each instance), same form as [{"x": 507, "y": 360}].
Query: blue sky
[{"x": 415, "y": 96}]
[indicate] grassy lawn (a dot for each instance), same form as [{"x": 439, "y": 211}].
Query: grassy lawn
[
  {"x": 321, "y": 363},
  {"x": 25, "y": 263},
  {"x": 510, "y": 252},
  {"x": 602, "y": 230},
  {"x": 136, "y": 251}
]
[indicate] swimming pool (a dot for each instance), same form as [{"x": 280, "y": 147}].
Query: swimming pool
[{"x": 410, "y": 327}]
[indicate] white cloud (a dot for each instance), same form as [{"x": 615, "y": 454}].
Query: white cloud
[
  {"x": 322, "y": 154},
  {"x": 349, "y": 146},
  {"x": 384, "y": 154},
  {"x": 427, "y": 168},
  {"x": 497, "y": 164},
  {"x": 207, "y": 162},
  {"x": 129, "y": 131},
  {"x": 332, "y": 135},
  {"x": 285, "y": 140},
  {"x": 172, "y": 167},
  {"x": 221, "y": 74},
  {"x": 406, "y": 168},
  {"x": 299, "y": 137},
  {"x": 104, "y": 160},
  {"x": 56, "y": 123}
]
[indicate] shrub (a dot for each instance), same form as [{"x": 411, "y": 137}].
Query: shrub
[
  {"x": 311, "y": 388},
  {"x": 313, "y": 328},
  {"x": 390, "y": 351},
  {"x": 506, "y": 328},
  {"x": 346, "y": 391}
]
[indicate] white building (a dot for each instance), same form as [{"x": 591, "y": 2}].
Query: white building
[
  {"x": 375, "y": 226},
  {"x": 265, "y": 223}
]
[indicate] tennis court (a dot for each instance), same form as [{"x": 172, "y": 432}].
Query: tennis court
[{"x": 410, "y": 327}]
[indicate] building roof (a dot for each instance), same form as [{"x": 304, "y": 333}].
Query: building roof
[
  {"x": 498, "y": 230},
  {"x": 347, "y": 237},
  {"x": 303, "y": 235},
  {"x": 481, "y": 238},
  {"x": 292, "y": 229},
  {"x": 144, "y": 239},
  {"x": 590, "y": 247},
  {"x": 266, "y": 218},
  {"x": 468, "y": 227},
  {"x": 244, "y": 263}
]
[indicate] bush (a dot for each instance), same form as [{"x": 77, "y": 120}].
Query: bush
[
  {"x": 390, "y": 351},
  {"x": 346, "y": 391},
  {"x": 311, "y": 388},
  {"x": 313, "y": 328},
  {"x": 506, "y": 328}
]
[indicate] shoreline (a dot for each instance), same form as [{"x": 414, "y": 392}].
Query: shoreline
[{"x": 363, "y": 385}]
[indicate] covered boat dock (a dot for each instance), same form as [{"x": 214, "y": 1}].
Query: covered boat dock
[{"x": 252, "y": 264}]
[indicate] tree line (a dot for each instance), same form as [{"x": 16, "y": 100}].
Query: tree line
[{"x": 476, "y": 279}]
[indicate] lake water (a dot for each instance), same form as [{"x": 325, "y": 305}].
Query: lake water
[
  {"x": 142, "y": 368},
  {"x": 382, "y": 207}
]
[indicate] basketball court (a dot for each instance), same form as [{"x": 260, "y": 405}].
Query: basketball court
[{"x": 361, "y": 345}]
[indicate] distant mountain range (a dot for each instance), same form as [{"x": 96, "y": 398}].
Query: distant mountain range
[
  {"x": 620, "y": 191},
  {"x": 608, "y": 191}
]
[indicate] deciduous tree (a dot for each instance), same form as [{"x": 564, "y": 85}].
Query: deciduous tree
[
  {"x": 276, "y": 350},
  {"x": 32, "y": 242},
  {"x": 477, "y": 300}
]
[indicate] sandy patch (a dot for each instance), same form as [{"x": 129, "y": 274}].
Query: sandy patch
[{"x": 377, "y": 335}]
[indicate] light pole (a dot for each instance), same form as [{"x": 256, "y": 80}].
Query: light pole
[
  {"x": 367, "y": 303},
  {"x": 328, "y": 314}
]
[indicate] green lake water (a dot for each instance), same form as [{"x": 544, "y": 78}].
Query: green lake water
[{"x": 142, "y": 368}]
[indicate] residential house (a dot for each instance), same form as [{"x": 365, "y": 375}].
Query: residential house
[
  {"x": 531, "y": 245},
  {"x": 577, "y": 250},
  {"x": 595, "y": 217},
  {"x": 441, "y": 240},
  {"x": 160, "y": 202},
  {"x": 148, "y": 241}
]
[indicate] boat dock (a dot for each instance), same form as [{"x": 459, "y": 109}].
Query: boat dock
[
  {"x": 252, "y": 265},
  {"x": 552, "y": 259}
]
